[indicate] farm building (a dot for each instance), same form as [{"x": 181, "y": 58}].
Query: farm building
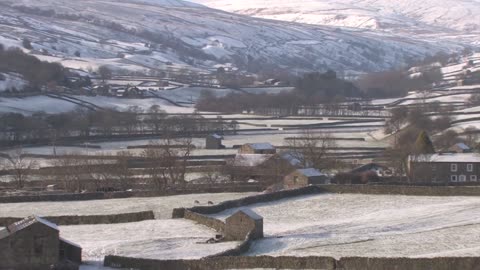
[
  {"x": 240, "y": 224},
  {"x": 34, "y": 243},
  {"x": 264, "y": 168},
  {"x": 370, "y": 167},
  {"x": 305, "y": 177},
  {"x": 444, "y": 168},
  {"x": 214, "y": 141},
  {"x": 257, "y": 148}
]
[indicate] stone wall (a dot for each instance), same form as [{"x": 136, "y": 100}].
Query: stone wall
[
  {"x": 210, "y": 222},
  {"x": 402, "y": 190},
  {"x": 93, "y": 219},
  {"x": 324, "y": 263}
]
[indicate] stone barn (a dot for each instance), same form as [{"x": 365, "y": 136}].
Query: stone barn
[
  {"x": 258, "y": 148},
  {"x": 32, "y": 243},
  {"x": 214, "y": 141},
  {"x": 305, "y": 177},
  {"x": 240, "y": 224}
]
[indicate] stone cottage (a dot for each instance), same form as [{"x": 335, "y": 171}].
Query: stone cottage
[
  {"x": 33, "y": 243},
  {"x": 304, "y": 177},
  {"x": 460, "y": 148},
  {"x": 240, "y": 224},
  {"x": 257, "y": 148}
]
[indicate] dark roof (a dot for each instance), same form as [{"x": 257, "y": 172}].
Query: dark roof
[
  {"x": 29, "y": 221},
  {"x": 367, "y": 167},
  {"x": 249, "y": 213},
  {"x": 69, "y": 243},
  {"x": 310, "y": 172},
  {"x": 262, "y": 146}
]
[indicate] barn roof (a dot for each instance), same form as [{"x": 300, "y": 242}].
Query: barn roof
[
  {"x": 216, "y": 136},
  {"x": 69, "y": 243},
  {"x": 250, "y": 213},
  {"x": 26, "y": 222},
  {"x": 250, "y": 160},
  {"x": 447, "y": 157},
  {"x": 462, "y": 146},
  {"x": 262, "y": 146},
  {"x": 310, "y": 172}
]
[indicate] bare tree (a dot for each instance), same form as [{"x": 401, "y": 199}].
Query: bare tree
[
  {"x": 312, "y": 149},
  {"x": 20, "y": 166},
  {"x": 168, "y": 161},
  {"x": 105, "y": 73}
]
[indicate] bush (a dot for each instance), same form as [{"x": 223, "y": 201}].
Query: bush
[{"x": 27, "y": 44}]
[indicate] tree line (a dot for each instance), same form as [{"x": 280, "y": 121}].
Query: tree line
[
  {"x": 17, "y": 128},
  {"x": 37, "y": 73}
]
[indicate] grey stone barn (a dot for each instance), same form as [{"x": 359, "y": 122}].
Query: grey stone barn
[
  {"x": 258, "y": 148},
  {"x": 240, "y": 224},
  {"x": 214, "y": 141},
  {"x": 32, "y": 244},
  {"x": 304, "y": 177}
]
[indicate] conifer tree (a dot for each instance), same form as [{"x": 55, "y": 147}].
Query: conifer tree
[{"x": 423, "y": 144}]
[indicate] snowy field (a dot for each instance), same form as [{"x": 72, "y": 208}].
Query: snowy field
[
  {"x": 152, "y": 239},
  {"x": 162, "y": 206},
  {"x": 369, "y": 225}
]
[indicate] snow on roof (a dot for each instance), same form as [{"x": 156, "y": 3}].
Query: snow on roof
[
  {"x": 447, "y": 157},
  {"x": 216, "y": 136},
  {"x": 250, "y": 160},
  {"x": 68, "y": 242},
  {"x": 250, "y": 213},
  {"x": 262, "y": 146},
  {"x": 24, "y": 223},
  {"x": 291, "y": 158},
  {"x": 310, "y": 172},
  {"x": 462, "y": 146}
]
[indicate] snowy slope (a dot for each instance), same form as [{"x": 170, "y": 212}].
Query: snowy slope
[
  {"x": 459, "y": 15},
  {"x": 363, "y": 225},
  {"x": 200, "y": 38}
]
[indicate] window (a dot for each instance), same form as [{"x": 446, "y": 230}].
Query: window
[
  {"x": 434, "y": 167},
  {"x": 453, "y": 178},
  {"x": 462, "y": 178},
  {"x": 295, "y": 179},
  {"x": 469, "y": 167},
  {"x": 453, "y": 168},
  {"x": 473, "y": 178}
]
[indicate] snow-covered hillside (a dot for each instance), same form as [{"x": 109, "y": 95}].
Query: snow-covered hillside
[
  {"x": 456, "y": 15},
  {"x": 341, "y": 225},
  {"x": 184, "y": 35}
]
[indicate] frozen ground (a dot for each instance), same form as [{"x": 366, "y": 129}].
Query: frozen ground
[
  {"x": 162, "y": 206},
  {"x": 369, "y": 225},
  {"x": 152, "y": 239}
]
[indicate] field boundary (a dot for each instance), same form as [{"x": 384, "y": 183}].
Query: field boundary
[
  {"x": 288, "y": 262},
  {"x": 89, "y": 219}
]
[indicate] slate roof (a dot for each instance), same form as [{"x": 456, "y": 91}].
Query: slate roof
[
  {"x": 216, "y": 136},
  {"x": 462, "y": 146},
  {"x": 447, "y": 158},
  {"x": 262, "y": 146},
  {"x": 250, "y": 160},
  {"x": 250, "y": 213},
  {"x": 24, "y": 223},
  {"x": 310, "y": 172}
]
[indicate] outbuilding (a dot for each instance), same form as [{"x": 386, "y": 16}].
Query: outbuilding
[
  {"x": 258, "y": 148},
  {"x": 305, "y": 177},
  {"x": 214, "y": 141},
  {"x": 33, "y": 243},
  {"x": 243, "y": 222}
]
